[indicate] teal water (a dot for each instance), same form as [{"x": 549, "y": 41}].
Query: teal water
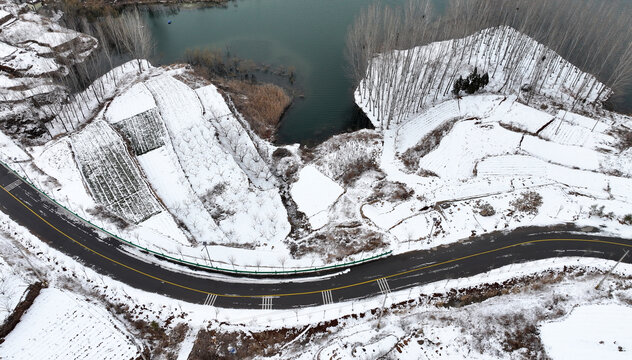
[{"x": 306, "y": 34}]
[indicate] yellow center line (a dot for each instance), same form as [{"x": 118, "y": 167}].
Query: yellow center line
[{"x": 314, "y": 291}]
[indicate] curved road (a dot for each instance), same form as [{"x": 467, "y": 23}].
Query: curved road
[{"x": 106, "y": 255}]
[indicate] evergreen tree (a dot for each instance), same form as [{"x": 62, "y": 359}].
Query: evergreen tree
[
  {"x": 457, "y": 86},
  {"x": 471, "y": 84}
]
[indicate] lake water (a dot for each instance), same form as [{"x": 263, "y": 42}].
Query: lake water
[{"x": 308, "y": 35}]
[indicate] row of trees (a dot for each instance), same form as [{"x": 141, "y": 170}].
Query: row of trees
[
  {"x": 120, "y": 38},
  {"x": 396, "y": 82}
]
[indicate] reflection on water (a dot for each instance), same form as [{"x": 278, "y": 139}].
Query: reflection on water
[
  {"x": 308, "y": 35},
  {"x": 305, "y": 34}
]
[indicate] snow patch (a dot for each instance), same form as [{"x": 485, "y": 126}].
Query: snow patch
[
  {"x": 313, "y": 193},
  {"x": 590, "y": 332}
]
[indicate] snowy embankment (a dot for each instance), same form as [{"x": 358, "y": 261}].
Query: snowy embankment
[
  {"x": 12, "y": 289},
  {"x": 399, "y": 83}
]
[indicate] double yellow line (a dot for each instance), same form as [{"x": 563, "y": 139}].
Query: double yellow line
[{"x": 314, "y": 291}]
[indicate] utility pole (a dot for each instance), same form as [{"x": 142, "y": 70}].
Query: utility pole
[
  {"x": 434, "y": 221},
  {"x": 609, "y": 272},
  {"x": 379, "y": 320},
  {"x": 37, "y": 273},
  {"x": 207, "y": 254}
]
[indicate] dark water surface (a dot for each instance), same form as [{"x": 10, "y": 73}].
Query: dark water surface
[{"x": 308, "y": 35}]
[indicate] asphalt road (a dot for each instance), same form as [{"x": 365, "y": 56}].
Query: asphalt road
[{"x": 108, "y": 256}]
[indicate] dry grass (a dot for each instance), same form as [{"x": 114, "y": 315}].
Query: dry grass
[
  {"x": 334, "y": 244},
  {"x": 529, "y": 202},
  {"x": 261, "y": 104},
  {"x": 392, "y": 191},
  {"x": 624, "y": 137}
]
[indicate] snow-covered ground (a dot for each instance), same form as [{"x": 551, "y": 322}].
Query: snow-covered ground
[
  {"x": 399, "y": 83},
  {"x": 64, "y": 325},
  {"x": 314, "y": 193},
  {"x": 487, "y": 324},
  {"x": 590, "y": 332},
  {"x": 113, "y": 179},
  {"x": 481, "y": 160},
  {"x": 12, "y": 288}
]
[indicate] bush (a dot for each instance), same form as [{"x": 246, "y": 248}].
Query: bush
[
  {"x": 391, "y": 191},
  {"x": 624, "y": 135},
  {"x": 102, "y": 213},
  {"x": 357, "y": 167},
  {"x": 280, "y": 153},
  {"x": 529, "y": 202},
  {"x": 598, "y": 211},
  {"x": 627, "y": 219},
  {"x": 486, "y": 209}
]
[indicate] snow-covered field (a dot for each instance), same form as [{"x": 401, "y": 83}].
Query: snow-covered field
[
  {"x": 114, "y": 180},
  {"x": 64, "y": 325},
  {"x": 489, "y": 158},
  {"x": 590, "y": 332}
]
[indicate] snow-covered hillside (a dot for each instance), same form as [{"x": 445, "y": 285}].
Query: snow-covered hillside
[
  {"x": 487, "y": 159},
  {"x": 179, "y": 165},
  {"x": 400, "y": 83},
  {"x": 34, "y": 50}
]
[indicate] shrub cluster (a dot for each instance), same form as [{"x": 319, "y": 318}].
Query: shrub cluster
[
  {"x": 529, "y": 202},
  {"x": 486, "y": 209},
  {"x": 470, "y": 84}
]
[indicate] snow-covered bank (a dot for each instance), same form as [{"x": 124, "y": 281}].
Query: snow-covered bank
[{"x": 399, "y": 83}]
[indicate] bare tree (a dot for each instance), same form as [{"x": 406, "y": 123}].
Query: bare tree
[{"x": 490, "y": 34}]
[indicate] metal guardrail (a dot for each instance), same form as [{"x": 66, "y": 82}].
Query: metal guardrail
[{"x": 198, "y": 265}]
